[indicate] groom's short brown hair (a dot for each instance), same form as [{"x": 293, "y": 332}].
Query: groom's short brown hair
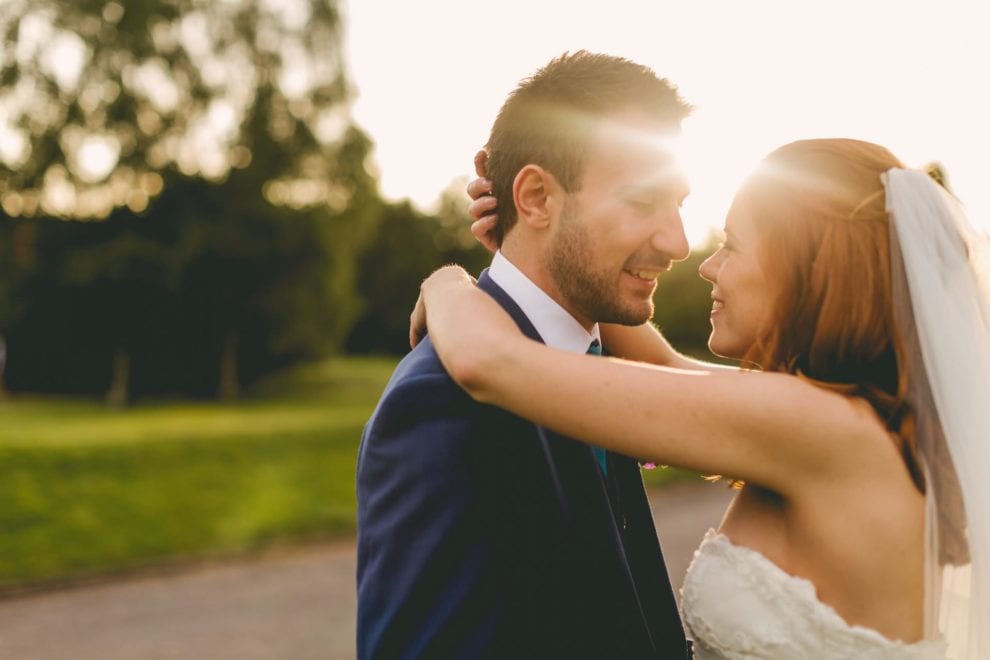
[{"x": 548, "y": 119}]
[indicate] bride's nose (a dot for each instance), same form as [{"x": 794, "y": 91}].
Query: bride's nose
[{"x": 709, "y": 267}]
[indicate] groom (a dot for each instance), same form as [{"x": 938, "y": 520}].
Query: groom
[{"x": 479, "y": 533}]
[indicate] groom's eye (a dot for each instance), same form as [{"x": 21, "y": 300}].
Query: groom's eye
[
  {"x": 648, "y": 199},
  {"x": 642, "y": 205},
  {"x": 650, "y": 203}
]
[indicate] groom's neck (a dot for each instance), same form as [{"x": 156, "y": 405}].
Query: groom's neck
[{"x": 531, "y": 261}]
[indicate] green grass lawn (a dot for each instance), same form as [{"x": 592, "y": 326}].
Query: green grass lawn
[{"x": 86, "y": 490}]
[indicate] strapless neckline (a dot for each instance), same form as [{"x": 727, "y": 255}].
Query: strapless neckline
[{"x": 739, "y": 604}]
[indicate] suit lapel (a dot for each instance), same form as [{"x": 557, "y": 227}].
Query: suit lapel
[{"x": 488, "y": 285}]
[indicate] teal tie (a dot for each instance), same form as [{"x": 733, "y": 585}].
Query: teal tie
[{"x": 600, "y": 454}]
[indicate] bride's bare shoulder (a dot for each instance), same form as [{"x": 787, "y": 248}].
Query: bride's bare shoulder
[{"x": 839, "y": 435}]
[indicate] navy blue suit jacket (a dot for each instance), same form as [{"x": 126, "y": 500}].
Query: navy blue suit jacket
[{"x": 481, "y": 535}]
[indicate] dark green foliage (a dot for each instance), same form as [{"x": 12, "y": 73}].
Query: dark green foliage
[
  {"x": 168, "y": 289},
  {"x": 199, "y": 277},
  {"x": 409, "y": 246},
  {"x": 683, "y": 305}
]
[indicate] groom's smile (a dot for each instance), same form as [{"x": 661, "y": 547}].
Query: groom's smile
[
  {"x": 645, "y": 275},
  {"x": 622, "y": 228},
  {"x": 643, "y": 281}
]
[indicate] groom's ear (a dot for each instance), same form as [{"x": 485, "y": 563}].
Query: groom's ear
[{"x": 538, "y": 196}]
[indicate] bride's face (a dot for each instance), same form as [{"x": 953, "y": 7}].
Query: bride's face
[{"x": 741, "y": 295}]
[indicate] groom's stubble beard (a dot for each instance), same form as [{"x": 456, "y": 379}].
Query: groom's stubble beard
[{"x": 593, "y": 293}]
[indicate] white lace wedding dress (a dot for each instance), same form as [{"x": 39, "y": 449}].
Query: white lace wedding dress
[{"x": 739, "y": 604}]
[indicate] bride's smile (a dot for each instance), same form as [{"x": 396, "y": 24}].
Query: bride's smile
[{"x": 741, "y": 294}]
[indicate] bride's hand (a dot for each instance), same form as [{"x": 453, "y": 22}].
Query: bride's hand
[
  {"x": 439, "y": 278},
  {"x": 417, "y": 321},
  {"x": 471, "y": 333},
  {"x": 483, "y": 206}
]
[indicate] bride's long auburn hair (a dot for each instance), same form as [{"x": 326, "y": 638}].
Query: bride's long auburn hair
[{"x": 824, "y": 241}]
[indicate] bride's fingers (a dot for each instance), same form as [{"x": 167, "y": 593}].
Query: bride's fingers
[
  {"x": 481, "y": 163},
  {"x": 440, "y": 277},
  {"x": 417, "y": 323},
  {"x": 484, "y": 231},
  {"x": 479, "y": 188},
  {"x": 481, "y": 207}
]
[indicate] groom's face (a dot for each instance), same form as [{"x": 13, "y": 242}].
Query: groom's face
[{"x": 622, "y": 227}]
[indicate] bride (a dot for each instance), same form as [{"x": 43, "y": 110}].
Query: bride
[{"x": 862, "y": 525}]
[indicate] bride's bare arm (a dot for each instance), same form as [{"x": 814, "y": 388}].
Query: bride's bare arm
[
  {"x": 645, "y": 343},
  {"x": 772, "y": 429}
]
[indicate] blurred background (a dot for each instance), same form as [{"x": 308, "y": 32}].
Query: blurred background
[{"x": 214, "y": 216}]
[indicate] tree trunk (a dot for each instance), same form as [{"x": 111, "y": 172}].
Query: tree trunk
[
  {"x": 3, "y": 363},
  {"x": 117, "y": 394},
  {"x": 228, "y": 368}
]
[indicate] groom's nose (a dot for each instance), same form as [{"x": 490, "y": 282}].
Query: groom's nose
[{"x": 668, "y": 236}]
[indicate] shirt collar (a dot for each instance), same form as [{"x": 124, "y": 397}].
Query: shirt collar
[{"x": 556, "y": 326}]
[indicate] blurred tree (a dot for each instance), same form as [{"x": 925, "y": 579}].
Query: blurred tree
[
  {"x": 216, "y": 141},
  {"x": 17, "y": 261},
  {"x": 683, "y": 304},
  {"x": 99, "y": 97},
  {"x": 409, "y": 247}
]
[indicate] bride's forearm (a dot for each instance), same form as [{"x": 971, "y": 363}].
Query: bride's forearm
[
  {"x": 645, "y": 343},
  {"x": 642, "y": 343}
]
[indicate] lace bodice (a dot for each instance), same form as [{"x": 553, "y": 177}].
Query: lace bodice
[{"x": 739, "y": 604}]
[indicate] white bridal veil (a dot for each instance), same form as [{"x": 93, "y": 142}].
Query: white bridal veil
[{"x": 941, "y": 267}]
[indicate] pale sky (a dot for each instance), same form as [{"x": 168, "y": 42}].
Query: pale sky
[{"x": 908, "y": 74}]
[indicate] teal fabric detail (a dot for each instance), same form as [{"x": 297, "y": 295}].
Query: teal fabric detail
[{"x": 600, "y": 454}]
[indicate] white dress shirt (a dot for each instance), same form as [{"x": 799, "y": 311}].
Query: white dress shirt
[{"x": 557, "y": 327}]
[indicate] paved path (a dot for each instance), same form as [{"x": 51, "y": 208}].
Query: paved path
[{"x": 291, "y": 604}]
